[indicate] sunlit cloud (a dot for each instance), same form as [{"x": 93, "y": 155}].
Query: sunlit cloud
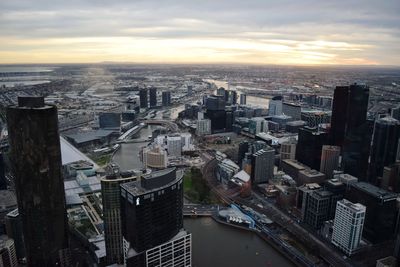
[{"x": 261, "y": 32}]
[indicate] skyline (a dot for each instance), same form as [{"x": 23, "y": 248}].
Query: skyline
[{"x": 255, "y": 32}]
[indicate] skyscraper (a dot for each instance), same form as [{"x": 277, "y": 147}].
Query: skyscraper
[
  {"x": 143, "y": 98},
  {"x": 275, "y": 106},
  {"x": 152, "y": 221},
  {"x": 166, "y": 98},
  {"x": 358, "y": 132},
  {"x": 263, "y": 162},
  {"x": 384, "y": 147},
  {"x": 153, "y": 97},
  {"x": 243, "y": 99},
  {"x": 36, "y": 164},
  {"x": 329, "y": 160},
  {"x": 339, "y": 115},
  {"x": 348, "y": 225},
  {"x": 110, "y": 192},
  {"x": 3, "y": 181},
  {"x": 309, "y": 146},
  {"x": 189, "y": 90}
]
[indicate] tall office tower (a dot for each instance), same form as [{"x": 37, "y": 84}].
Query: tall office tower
[
  {"x": 257, "y": 125},
  {"x": 309, "y": 146},
  {"x": 189, "y": 90},
  {"x": 339, "y": 115},
  {"x": 233, "y": 97},
  {"x": 329, "y": 160},
  {"x": 221, "y": 91},
  {"x": 143, "y": 98},
  {"x": 243, "y": 99},
  {"x": 3, "y": 180},
  {"x": 13, "y": 224},
  {"x": 216, "y": 113},
  {"x": 8, "y": 257},
  {"x": 110, "y": 192},
  {"x": 242, "y": 150},
  {"x": 263, "y": 162},
  {"x": 36, "y": 163},
  {"x": 384, "y": 147},
  {"x": 381, "y": 217},
  {"x": 319, "y": 206},
  {"x": 275, "y": 106},
  {"x": 229, "y": 118},
  {"x": 391, "y": 177},
  {"x": 395, "y": 113},
  {"x": 288, "y": 149},
  {"x": 348, "y": 225},
  {"x": 152, "y": 221},
  {"x": 153, "y": 97},
  {"x": 292, "y": 110},
  {"x": 166, "y": 98},
  {"x": 358, "y": 132}
]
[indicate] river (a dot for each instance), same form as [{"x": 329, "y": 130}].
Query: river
[{"x": 214, "y": 244}]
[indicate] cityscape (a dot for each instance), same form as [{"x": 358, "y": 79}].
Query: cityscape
[{"x": 207, "y": 144}]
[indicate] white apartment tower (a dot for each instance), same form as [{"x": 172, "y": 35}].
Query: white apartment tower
[{"x": 348, "y": 225}]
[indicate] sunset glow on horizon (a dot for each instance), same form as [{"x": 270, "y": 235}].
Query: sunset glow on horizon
[{"x": 258, "y": 32}]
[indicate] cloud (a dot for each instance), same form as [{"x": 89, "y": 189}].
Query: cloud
[{"x": 283, "y": 32}]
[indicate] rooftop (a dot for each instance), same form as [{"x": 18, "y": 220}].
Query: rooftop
[
  {"x": 375, "y": 191},
  {"x": 153, "y": 182},
  {"x": 356, "y": 207}
]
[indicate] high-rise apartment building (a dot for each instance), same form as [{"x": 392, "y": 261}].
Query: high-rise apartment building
[
  {"x": 348, "y": 225},
  {"x": 152, "y": 221},
  {"x": 110, "y": 192},
  {"x": 384, "y": 147},
  {"x": 36, "y": 161},
  {"x": 329, "y": 160}
]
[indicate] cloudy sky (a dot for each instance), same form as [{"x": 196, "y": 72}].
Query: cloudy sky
[{"x": 298, "y": 32}]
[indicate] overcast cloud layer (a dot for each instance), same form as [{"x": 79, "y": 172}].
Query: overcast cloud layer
[{"x": 266, "y": 32}]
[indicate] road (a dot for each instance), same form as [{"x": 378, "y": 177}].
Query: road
[{"x": 199, "y": 210}]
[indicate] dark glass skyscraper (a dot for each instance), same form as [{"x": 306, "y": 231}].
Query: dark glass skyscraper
[
  {"x": 153, "y": 97},
  {"x": 143, "y": 98},
  {"x": 166, "y": 98},
  {"x": 339, "y": 115},
  {"x": 358, "y": 132},
  {"x": 309, "y": 146},
  {"x": 384, "y": 147},
  {"x": 36, "y": 164},
  {"x": 152, "y": 220}
]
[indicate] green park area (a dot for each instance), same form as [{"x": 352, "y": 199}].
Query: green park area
[
  {"x": 196, "y": 189},
  {"x": 102, "y": 159}
]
